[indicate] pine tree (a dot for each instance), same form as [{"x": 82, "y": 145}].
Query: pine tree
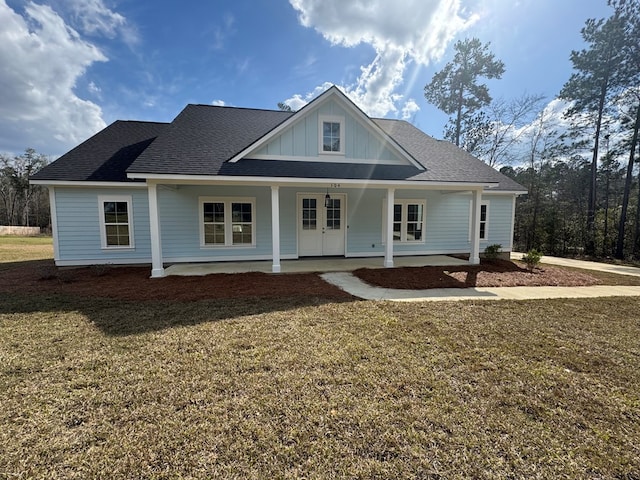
[
  {"x": 455, "y": 89},
  {"x": 597, "y": 79}
]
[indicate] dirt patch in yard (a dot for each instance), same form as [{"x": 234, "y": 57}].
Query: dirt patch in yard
[{"x": 496, "y": 273}]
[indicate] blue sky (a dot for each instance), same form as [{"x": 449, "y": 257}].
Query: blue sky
[{"x": 70, "y": 67}]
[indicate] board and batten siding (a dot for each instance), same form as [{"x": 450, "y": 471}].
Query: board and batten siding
[
  {"x": 302, "y": 139},
  {"x": 78, "y": 220}
]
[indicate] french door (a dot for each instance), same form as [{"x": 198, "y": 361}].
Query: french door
[{"x": 321, "y": 229}]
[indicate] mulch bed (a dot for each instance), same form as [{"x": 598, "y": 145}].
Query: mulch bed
[
  {"x": 495, "y": 273},
  {"x": 133, "y": 283}
]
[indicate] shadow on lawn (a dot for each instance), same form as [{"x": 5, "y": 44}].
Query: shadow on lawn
[
  {"x": 121, "y": 318},
  {"x": 125, "y": 301}
]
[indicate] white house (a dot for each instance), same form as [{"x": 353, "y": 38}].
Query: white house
[{"x": 232, "y": 184}]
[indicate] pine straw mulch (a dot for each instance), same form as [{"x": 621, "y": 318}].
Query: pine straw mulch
[
  {"x": 133, "y": 283},
  {"x": 494, "y": 273}
]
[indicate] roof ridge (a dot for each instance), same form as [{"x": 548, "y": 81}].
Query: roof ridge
[
  {"x": 238, "y": 108},
  {"x": 142, "y": 121}
]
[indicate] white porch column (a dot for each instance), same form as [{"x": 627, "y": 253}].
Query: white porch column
[
  {"x": 157, "y": 267},
  {"x": 388, "y": 251},
  {"x": 513, "y": 223},
  {"x": 474, "y": 255},
  {"x": 54, "y": 222},
  {"x": 275, "y": 227}
]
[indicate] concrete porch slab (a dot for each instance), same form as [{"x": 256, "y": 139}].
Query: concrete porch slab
[{"x": 325, "y": 264}]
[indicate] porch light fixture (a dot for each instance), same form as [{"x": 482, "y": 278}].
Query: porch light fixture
[{"x": 327, "y": 200}]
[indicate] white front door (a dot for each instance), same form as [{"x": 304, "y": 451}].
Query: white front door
[{"x": 321, "y": 228}]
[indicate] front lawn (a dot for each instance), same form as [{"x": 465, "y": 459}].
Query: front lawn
[
  {"x": 310, "y": 388},
  {"x": 14, "y": 249}
]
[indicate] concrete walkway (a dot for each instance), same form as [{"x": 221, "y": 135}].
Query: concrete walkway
[
  {"x": 568, "y": 262},
  {"x": 353, "y": 285}
]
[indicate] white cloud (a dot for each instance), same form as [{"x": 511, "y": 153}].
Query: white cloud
[
  {"x": 94, "y": 18},
  {"x": 298, "y": 101},
  {"x": 41, "y": 59},
  {"x": 402, "y": 32},
  {"x": 221, "y": 33},
  {"x": 93, "y": 88},
  {"x": 409, "y": 109},
  {"x": 218, "y": 103}
]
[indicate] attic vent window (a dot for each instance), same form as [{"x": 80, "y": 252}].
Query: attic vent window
[{"x": 332, "y": 135}]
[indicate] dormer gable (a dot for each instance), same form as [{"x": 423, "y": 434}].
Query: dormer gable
[{"x": 329, "y": 129}]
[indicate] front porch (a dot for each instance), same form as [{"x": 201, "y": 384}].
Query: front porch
[
  {"x": 378, "y": 224},
  {"x": 307, "y": 265}
]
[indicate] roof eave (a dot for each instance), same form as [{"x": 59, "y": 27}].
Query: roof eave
[
  {"x": 343, "y": 182},
  {"x": 85, "y": 183}
]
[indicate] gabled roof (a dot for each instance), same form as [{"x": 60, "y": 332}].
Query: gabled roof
[
  {"x": 444, "y": 162},
  {"x": 202, "y": 138},
  {"x": 332, "y": 94},
  {"x": 106, "y": 156}
]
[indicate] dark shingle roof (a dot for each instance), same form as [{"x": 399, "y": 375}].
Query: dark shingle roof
[
  {"x": 444, "y": 162},
  {"x": 105, "y": 156},
  {"x": 203, "y": 137}
]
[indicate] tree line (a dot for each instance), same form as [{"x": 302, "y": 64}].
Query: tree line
[
  {"x": 22, "y": 204},
  {"x": 578, "y": 165}
]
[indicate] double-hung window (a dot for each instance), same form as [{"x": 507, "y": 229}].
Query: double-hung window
[
  {"x": 116, "y": 221},
  {"x": 408, "y": 221},
  {"x": 227, "y": 222},
  {"x": 331, "y": 134}
]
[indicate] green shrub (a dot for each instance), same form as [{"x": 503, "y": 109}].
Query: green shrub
[
  {"x": 491, "y": 251},
  {"x": 532, "y": 258}
]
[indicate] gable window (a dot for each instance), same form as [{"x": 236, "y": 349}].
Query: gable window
[
  {"x": 116, "y": 222},
  {"x": 484, "y": 220},
  {"x": 331, "y": 134},
  {"x": 408, "y": 221},
  {"x": 226, "y": 222}
]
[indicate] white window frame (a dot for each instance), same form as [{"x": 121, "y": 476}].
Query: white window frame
[
  {"x": 483, "y": 203},
  {"x": 228, "y": 221},
  {"x": 331, "y": 119},
  {"x": 403, "y": 225},
  {"x": 102, "y": 199}
]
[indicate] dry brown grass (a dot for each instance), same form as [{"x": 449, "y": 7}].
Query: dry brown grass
[
  {"x": 274, "y": 388},
  {"x": 294, "y": 386},
  {"x": 14, "y": 249}
]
